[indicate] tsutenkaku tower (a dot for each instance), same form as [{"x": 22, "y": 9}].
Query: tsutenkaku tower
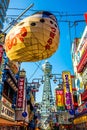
[{"x": 47, "y": 98}]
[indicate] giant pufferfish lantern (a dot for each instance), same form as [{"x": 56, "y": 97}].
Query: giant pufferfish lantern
[{"x": 34, "y": 38}]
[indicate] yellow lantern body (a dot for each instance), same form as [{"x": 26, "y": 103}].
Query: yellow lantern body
[{"x": 34, "y": 38}]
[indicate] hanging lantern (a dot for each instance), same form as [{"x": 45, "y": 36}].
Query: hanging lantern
[
  {"x": 24, "y": 114},
  {"x": 34, "y": 38},
  {"x": 71, "y": 112}
]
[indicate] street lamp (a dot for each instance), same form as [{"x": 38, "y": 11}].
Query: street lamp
[
  {"x": 56, "y": 77},
  {"x": 38, "y": 79}
]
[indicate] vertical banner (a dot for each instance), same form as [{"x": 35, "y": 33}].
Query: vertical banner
[
  {"x": 67, "y": 84},
  {"x": 60, "y": 99},
  {"x": 1, "y": 53},
  {"x": 20, "y": 96}
]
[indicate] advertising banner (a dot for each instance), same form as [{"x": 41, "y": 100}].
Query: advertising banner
[
  {"x": 59, "y": 99},
  {"x": 20, "y": 96},
  {"x": 67, "y": 84},
  {"x": 1, "y": 53}
]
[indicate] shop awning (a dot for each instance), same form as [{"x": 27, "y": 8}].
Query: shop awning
[{"x": 4, "y": 122}]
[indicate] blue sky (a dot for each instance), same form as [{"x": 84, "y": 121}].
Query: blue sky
[{"x": 65, "y": 11}]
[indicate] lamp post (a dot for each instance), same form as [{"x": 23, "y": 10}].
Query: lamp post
[
  {"x": 56, "y": 78},
  {"x": 38, "y": 79}
]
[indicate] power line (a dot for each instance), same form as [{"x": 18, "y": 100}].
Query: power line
[{"x": 48, "y": 10}]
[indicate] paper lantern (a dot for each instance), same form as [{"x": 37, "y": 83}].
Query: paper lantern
[
  {"x": 34, "y": 38},
  {"x": 71, "y": 112},
  {"x": 24, "y": 114}
]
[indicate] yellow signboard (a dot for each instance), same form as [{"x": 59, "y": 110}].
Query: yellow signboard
[{"x": 67, "y": 83}]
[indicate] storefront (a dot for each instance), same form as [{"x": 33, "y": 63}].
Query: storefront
[
  {"x": 7, "y": 116},
  {"x": 80, "y": 120},
  {"x": 80, "y": 123}
]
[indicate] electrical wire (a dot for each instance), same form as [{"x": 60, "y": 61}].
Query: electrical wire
[{"x": 38, "y": 66}]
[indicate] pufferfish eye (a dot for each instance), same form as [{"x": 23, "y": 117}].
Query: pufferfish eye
[
  {"x": 51, "y": 22},
  {"x": 55, "y": 25},
  {"x": 33, "y": 24},
  {"x": 42, "y": 20}
]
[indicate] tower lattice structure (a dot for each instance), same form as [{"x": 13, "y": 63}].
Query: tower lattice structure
[{"x": 47, "y": 98}]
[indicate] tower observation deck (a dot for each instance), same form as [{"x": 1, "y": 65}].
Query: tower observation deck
[{"x": 47, "y": 98}]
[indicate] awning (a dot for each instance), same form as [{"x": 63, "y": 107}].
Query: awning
[
  {"x": 4, "y": 122},
  {"x": 82, "y": 62}
]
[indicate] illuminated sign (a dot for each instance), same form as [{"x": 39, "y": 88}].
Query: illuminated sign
[
  {"x": 59, "y": 99},
  {"x": 67, "y": 90},
  {"x": 20, "y": 95}
]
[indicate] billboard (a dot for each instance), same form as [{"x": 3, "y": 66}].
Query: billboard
[
  {"x": 59, "y": 99},
  {"x": 67, "y": 84}
]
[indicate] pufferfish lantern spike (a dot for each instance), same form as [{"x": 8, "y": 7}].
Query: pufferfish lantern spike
[{"x": 34, "y": 38}]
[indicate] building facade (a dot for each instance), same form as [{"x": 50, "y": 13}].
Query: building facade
[{"x": 79, "y": 53}]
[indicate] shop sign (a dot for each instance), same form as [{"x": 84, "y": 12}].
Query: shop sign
[
  {"x": 82, "y": 46},
  {"x": 59, "y": 99},
  {"x": 1, "y": 53},
  {"x": 7, "y": 113},
  {"x": 14, "y": 66},
  {"x": 5, "y": 101},
  {"x": 67, "y": 90},
  {"x": 20, "y": 95},
  {"x": 84, "y": 76}
]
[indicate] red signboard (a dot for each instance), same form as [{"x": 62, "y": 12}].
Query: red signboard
[
  {"x": 1, "y": 53},
  {"x": 20, "y": 95},
  {"x": 84, "y": 95}
]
